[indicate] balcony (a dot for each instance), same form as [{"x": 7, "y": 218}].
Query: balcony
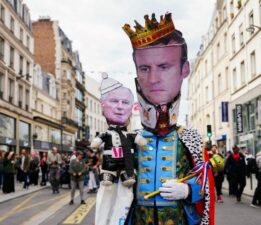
[
  {"x": 20, "y": 104},
  {"x": 70, "y": 122},
  {"x": 27, "y": 107}
]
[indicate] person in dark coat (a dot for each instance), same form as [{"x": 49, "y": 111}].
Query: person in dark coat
[
  {"x": 9, "y": 172},
  {"x": 44, "y": 169},
  {"x": 24, "y": 168},
  {"x": 236, "y": 170},
  {"x": 256, "y": 201}
]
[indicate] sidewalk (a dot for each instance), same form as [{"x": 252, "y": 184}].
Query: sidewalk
[
  {"x": 20, "y": 191},
  {"x": 247, "y": 190}
]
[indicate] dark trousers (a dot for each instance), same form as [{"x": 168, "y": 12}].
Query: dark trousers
[
  {"x": 8, "y": 184},
  {"x": 219, "y": 178},
  {"x": 238, "y": 184},
  {"x": 26, "y": 179},
  {"x": 55, "y": 178},
  {"x": 257, "y": 195},
  {"x": 44, "y": 176}
]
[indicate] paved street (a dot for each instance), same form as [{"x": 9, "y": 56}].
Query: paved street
[{"x": 43, "y": 207}]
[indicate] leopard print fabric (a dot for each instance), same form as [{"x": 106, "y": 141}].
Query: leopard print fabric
[{"x": 193, "y": 141}]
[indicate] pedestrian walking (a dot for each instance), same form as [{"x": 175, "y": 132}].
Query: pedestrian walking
[
  {"x": 54, "y": 161},
  {"x": 44, "y": 169},
  {"x": 9, "y": 172},
  {"x": 218, "y": 171},
  {"x": 77, "y": 169},
  {"x": 236, "y": 170},
  {"x": 93, "y": 161},
  {"x": 256, "y": 201},
  {"x": 34, "y": 168},
  {"x": 25, "y": 167}
]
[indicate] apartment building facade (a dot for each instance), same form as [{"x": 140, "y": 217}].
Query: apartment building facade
[
  {"x": 96, "y": 122},
  {"x": 53, "y": 51},
  {"x": 16, "y": 68},
  {"x": 229, "y": 95}
]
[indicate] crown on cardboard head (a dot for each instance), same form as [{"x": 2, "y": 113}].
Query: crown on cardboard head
[{"x": 153, "y": 30}]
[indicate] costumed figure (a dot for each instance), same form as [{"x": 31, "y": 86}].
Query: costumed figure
[
  {"x": 117, "y": 168},
  {"x": 174, "y": 180}
]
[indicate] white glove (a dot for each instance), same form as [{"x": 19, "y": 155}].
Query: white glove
[{"x": 172, "y": 190}]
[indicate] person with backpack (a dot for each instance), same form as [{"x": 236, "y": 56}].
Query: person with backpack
[{"x": 217, "y": 159}]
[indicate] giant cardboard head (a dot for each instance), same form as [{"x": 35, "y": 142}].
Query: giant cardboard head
[
  {"x": 116, "y": 102},
  {"x": 160, "y": 57}
]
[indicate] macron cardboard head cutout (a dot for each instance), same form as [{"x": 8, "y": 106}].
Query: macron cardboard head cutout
[
  {"x": 116, "y": 101},
  {"x": 160, "y": 57}
]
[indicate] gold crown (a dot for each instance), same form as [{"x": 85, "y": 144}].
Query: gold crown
[{"x": 153, "y": 30}]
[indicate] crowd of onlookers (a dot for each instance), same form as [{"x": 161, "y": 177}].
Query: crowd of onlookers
[
  {"x": 236, "y": 166},
  {"x": 81, "y": 168},
  {"x": 52, "y": 166}
]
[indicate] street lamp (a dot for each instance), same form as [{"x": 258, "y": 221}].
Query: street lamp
[{"x": 252, "y": 27}]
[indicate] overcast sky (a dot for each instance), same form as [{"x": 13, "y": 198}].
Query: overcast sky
[{"x": 95, "y": 29}]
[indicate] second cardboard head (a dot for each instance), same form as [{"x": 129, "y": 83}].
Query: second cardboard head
[{"x": 116, "y": 101}]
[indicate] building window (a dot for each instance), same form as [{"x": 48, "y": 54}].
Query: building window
[
  {"x": 225, "y": 42},
  {"x": 27, "y": 69},
  {"x": 1, "y": 85},
  {"x": 12, "y": 24},
  {"x": 251, "y": 21},
  {"x": 2, "y": 13},
  {"x": 2, "y": 48},
  {"x": 21, "y": 35},
  {"x": 20, "y": 95},
  {"x": 253, "y": 63},
  {"x": 27, "y": 100},
  {"x": 243, "y": 73},
  {"x": 225, "y": 13},
  {"x": 11, "y": 90},
  {"x": 220, "y": 83},
  {"x": 90, "y": 105},
  {"x": 233, "y": 43},
  {"x": 232, "y": 9},
  {"x": 235, "y": 79},
  {"x": 226, "y": 78},
  {"x": 28, "y": 42},
  {"x": 241, "y": 35},
  {"x": 11, "y": 60},
  {"x": 21, "y": 62},
  {"x": 218, "y": 51}
]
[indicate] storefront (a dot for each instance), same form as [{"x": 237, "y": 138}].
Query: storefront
[
  {"x": 24, "y": 136},
  {"x": 7, "y": 133},
  {"x": 247, "y": 121}
]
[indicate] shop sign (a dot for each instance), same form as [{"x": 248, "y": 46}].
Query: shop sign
[{"x": 239, "y": 118}]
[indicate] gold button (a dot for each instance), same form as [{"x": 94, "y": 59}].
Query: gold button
[
  {"x": 164, "y": 148},
  {"x": 162, "y": 180},
  {"x": 164, "y": 168},
  {"x": 163, "y": 157},
  {"x": 147, "y": 180},
  {"x": 149, "y": 158},
  {"x": 149, "y": 139},
  {"x": 148, "y": 169}
]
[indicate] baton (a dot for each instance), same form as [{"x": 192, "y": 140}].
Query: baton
[{"x": 146, "y": 197}]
